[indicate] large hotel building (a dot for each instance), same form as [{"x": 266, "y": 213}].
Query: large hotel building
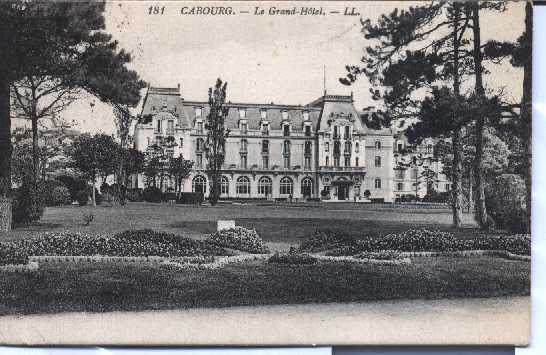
[{"x": 320, "y": 150}]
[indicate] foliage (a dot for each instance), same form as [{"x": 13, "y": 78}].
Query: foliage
[
  {"x": 73, "y": 184},
  {"x": 506, "y": 202},
  {"x": 292, "y": 258},
  {"x": 57, "y": 196},
  {"x": 194, "y": 198},
  {"x": 28, "y": 205},
  {"x": 180, "y": 169},
  {"x": 239, "y": 238},
  {"x": 135, "y": 195},
  {"x": 436, "y": 197},
  {"x": 152, "y": 194},
  {"x": 324, "y": 240},
  {"x": 216, "y": 137},
  {"x": 87, "y": 218},
  {"x": 82, "y": 197},
  {"x": 379, "y": 255},
  {"x": 144, "y": 242}
]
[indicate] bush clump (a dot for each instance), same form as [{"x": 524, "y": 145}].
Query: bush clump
[
  {"x": 28, "y": 205},
  {"x": 292, "y": 258},
  {"x": 505, "y": 200},
  {"x": 129, "y": 243},
  {"x": 134, "y": 195},
  {"x": 239, "y": 238},
  {"x": 82, "y": 197},
  {"x": 152, "y": 194},
  {"x": 323, "y": 240}
]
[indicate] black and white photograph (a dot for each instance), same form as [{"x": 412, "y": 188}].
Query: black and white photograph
[{"x": 265, "y": 173}]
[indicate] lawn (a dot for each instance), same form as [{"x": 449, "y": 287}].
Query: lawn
[
  {"x": 129, "y": 287},
  {"x": 280, "y": 225}
]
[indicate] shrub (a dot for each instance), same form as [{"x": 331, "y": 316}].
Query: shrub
[
  {"x": 379, "y": 255},
  {"x": 152, "y": 194},
  {"x": 505, "y": 200},
  {"x": 292, "y": 258},
  {"x": 28, "y": 205},
  {"x": 87, "y": 218},
  {"x": 98, "y": 198},
  {"x": 73, "y": 184},
  {"x": 239, "y": 238},
  {"x": 58, "y": 196},
  {"x": 325, "y": 240},
  {"x": 195, "y": 198},
  {"x": 436, "y": 197},
  {"x": 129, "y": 243},
  {"x": 517, "y": 243},
  {"x": 134, "y": 195},
  {"x": 82, "y": 197},
  {"x": 107, "y": 198}
]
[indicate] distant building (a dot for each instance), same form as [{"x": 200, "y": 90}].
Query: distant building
[{"x": 274, "y": 151}]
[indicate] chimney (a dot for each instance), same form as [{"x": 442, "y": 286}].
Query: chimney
[{"x": 178, "y": 85}]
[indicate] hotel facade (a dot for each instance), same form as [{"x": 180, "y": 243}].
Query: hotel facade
[{"x": 321, "y": 150}]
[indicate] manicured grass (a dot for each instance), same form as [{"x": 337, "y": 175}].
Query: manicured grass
[
  {"x": 281, "y": 224},
  {"x": 129, "y": 287}
]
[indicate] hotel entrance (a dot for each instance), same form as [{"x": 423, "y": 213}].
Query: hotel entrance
[{"x": 342, "y": 188}]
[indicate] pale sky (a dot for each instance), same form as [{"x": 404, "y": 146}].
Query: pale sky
[{"x": 264, "y": 58}]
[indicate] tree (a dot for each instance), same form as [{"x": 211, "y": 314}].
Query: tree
[
  {"x": 124, "y": 119},
  {"x": 92, "y": 157},
  {"x": 180, "y": 169},
  {"x": 216, "y": 138},
  {"x": 57, "y": 41},
  {"x": 133, "y": 163}
]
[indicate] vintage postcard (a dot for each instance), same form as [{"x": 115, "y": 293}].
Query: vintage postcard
[{"x": 258, "y": 173}]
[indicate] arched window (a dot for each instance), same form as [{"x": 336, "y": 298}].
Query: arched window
[
  {"x": 200, "y": 145},
  {"x": 199, "y": 184},
  {"x": 307, "y": 187},
  {"x": 224, "y": 185},
  {"x": 286, "y": 186},
  {"x": 308, "y": 146},
  {"x": 377, "y": 162},
  {"x": 243, "y": 186},
  {"x": 377, "y": 183},
  {"x": 286, "y": 147},
  {"x": 377, "y": 145},
  {"x": 265, "y": 186},
  {"x": 357, "y": 147},
  {"x": 326, "y": 146}
]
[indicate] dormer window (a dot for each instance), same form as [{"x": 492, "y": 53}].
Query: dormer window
[
  {"x": 242, "y": 112},
  {"x": 306, "y": 115},
  {"x": 244, "y": 127},
  {"x": 286, "y": 130},
  {"x": 265, "y": 129},
  {"x": 347, "y": 132},
  {"x": 198, "y": 111},
  {"x": 377, "y": 145},
  {"x": 158, "y": 128},
  {"x": 284, "y": 115},
  {"x": 199, "y": 127},
  {"x": 263, "y": 113},
  {"x": 307, "y": 130}
]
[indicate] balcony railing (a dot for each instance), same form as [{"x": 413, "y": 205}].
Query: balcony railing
[{"x": 347, "y": 169}]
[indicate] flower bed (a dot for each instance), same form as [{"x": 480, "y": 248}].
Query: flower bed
[
  {"x": 326, "y": 240},
  {"x": 128, "y": 243},
  {"x": 380, "y": 255},
  {"x": 239, "y": 238},
  {"x": 292, "y": 259}
]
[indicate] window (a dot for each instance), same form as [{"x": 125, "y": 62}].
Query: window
[
  {"x": 286, "y": 162},
  {"x": 265, "y": 129},
  {"x": 377, "y": 162},
  {"x": 198, "y": 111},
  {"x": 327, "y": 146},
  {"x": 243, "y": 161},
  {"x": 400, "y": 174},
  {"x": 224, "y": 185},
  {"x": 199, "y": 160},
  {"x": 305, "y": 115},
  {"x": 242, "y": 113},
  {"x": 265, "y": 186},
  {"x": 286, "y": 130},
  {"x": 377, "y": 183},
  {"x": 414, "y": 160},
  {"x": 199, "y": 184},
  {"x": 357, "y": 147},
  {"x": 414, "y": 173},
  {"x": 307, "y": 187},
  {"x": 199, "y": 127},
  {"x": 200, "y": 145},
  {"x": 244, "y": 146},
  {"x": 243, "y": 186},
  {"x": 265, "y": 147},
  {"x": 307, "y": 164},
  {"x": 244, "y": 128},
  {"x": 263, "y": 114},
  {"x": 158, "y": 126},
  {"x": 286, "y": 147},
  {"x": 284, "y": 115},
  {"x": 347, "y": 147},
  {"x": 337, "y": 148},
  {"x": 347, "y": 161},
  {"x": 336, "y": 161},
  {"x": 307, "y": 131},
  {"x": 265, "y": 162},
  {"x": 400, "y": 147},
  {"x": 400, "y": 186},
  {"x": 170, "y": 126},
  {"x": 308, "y": 147},
  {"x": 429, "y": 148},
  {"x": 327, "y": 161},
  {"x": 336, "y": 132},
  {"x": 347, "y": 132},
  {"x": 286, "y": 186},
  {"x": 148, "y": 142},
  {"x": 448, "y": 187},
  {"x": 356, "y": 161},
  {"x": 377, "y": 145},
  {"x": 181, "y": 143}
]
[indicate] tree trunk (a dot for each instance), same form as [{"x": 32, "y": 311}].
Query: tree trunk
[
  {"x": 35, "y": 154},
  {"x": 481, "y": 210},
  {"x": 5, "y": 154},
  {"x": 457, "y": 165},
  {"x": 471, "y": 190},
  {"x": 526, "y": 113},
  {"x": 93, "y": 197}
]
